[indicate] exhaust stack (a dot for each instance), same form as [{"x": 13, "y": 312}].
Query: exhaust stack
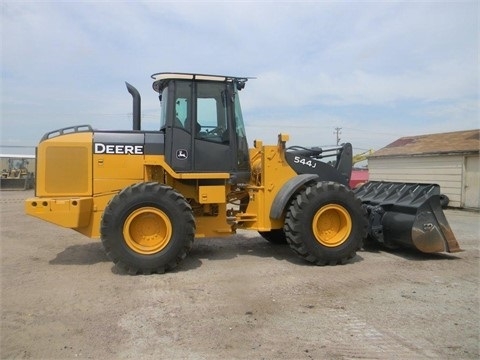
[{"x": 136, "y": 106}]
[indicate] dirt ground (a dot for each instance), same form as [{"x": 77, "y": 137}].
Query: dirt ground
[{"x": 233, "y": 298}]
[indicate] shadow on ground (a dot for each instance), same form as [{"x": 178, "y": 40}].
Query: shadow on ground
[{"x": 212, "y": 249}]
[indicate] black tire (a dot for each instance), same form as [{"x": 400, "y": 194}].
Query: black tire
[
  {"x": 326, "y": 224},
  {"x": 275, "y": 236},
  {"x": 147, "y": 228}
]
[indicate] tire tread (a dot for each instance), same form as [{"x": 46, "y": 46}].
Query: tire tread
[
  {"x": 295, "y": 214},
  {"x": 108, "y": 220}
]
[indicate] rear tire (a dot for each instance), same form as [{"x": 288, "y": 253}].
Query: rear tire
[
  {"x": 326, "y": 224},
  {"x": 147, "y": 228}
]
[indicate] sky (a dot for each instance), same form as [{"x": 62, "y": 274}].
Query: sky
[{"x": 375, "y": 70}]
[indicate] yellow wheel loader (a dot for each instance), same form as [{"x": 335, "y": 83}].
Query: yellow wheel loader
[
  {"x": 149, "y": 194},
  {"x": 17, "y": 176}
]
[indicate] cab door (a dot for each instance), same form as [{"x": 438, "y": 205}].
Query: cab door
[{"x": 211, "y": 129}]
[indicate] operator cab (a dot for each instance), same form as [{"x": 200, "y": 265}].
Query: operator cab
[{"x": 203, "y": 124}]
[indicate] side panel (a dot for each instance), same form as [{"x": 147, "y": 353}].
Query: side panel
[
  {"x": 117, "y": 160},
  {"x": 212, "y": 194}
]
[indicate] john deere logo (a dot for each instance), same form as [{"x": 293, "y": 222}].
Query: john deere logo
[
  {"x": 124, "y": 149},
  {"x": 182, "y": 154}
]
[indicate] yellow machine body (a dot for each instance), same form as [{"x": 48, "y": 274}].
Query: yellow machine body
[{"x": 74, "y": 194}]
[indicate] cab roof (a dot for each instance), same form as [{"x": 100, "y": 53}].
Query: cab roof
[{"x": 162, "y": 79}]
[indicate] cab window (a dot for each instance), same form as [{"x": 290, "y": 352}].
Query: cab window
[{"x": 212, "y": 124}]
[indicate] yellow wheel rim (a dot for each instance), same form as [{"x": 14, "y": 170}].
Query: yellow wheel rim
[
  {"x": 147, "y": 230},
  {"x": 332, "y": 225}
]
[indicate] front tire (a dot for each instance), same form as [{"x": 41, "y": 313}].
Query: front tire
[
  {"x": 326, "y": 224},
  {"x": 147, "y": 228}
]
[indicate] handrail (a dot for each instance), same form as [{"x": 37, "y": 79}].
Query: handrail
[{"x": 67, "y": 130}]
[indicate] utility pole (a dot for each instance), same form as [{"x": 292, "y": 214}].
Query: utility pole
[{"x": 337, "y": 132}]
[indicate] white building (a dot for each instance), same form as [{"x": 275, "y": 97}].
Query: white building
[{"x": 448, "y": 159}]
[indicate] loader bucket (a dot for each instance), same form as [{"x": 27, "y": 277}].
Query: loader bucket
[
  {"x": 408, "y": 215},
  {"x": 15, "y": 184}
]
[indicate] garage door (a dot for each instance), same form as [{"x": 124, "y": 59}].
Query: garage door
[{"x": 472, "y": 182}]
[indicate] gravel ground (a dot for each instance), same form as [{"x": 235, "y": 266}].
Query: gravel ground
[{"x": 233, "y": 298}]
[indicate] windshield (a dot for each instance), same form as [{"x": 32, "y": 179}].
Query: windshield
[{"x": 243, "y": 154}]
